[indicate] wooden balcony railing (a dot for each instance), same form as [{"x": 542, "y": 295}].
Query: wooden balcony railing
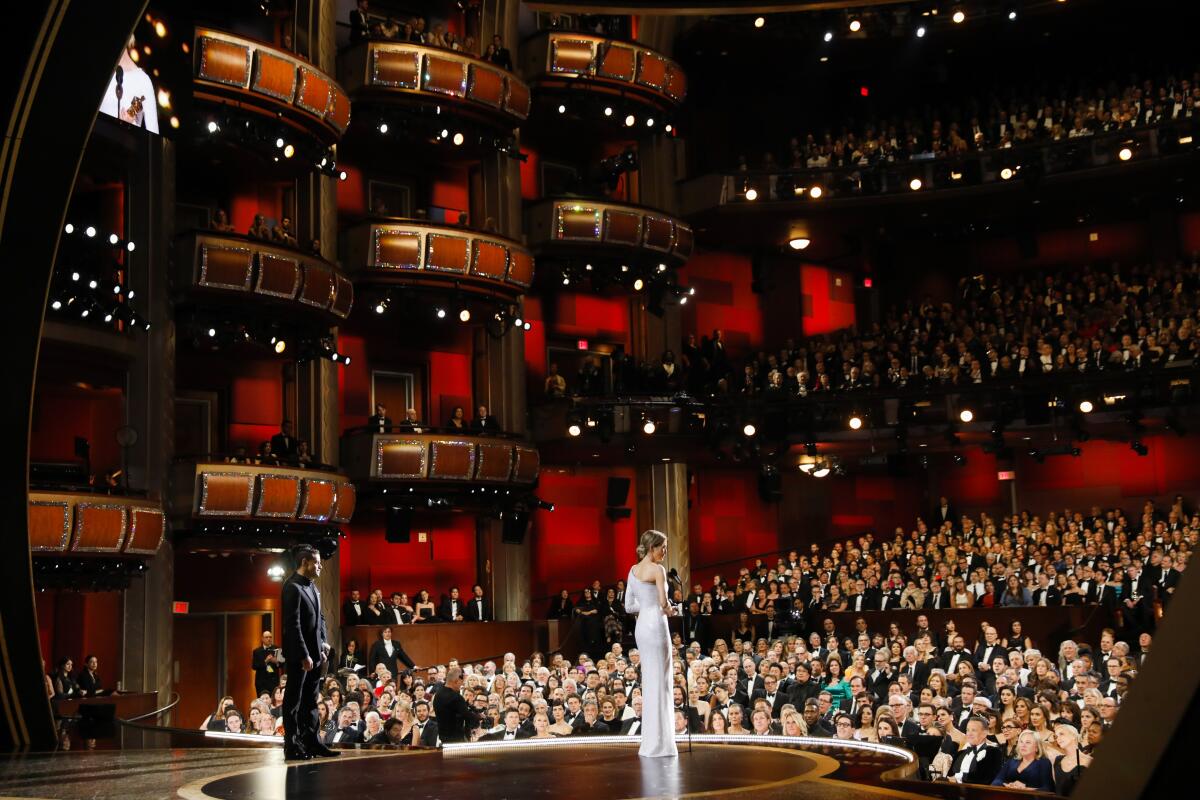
[
  {"x": 600, "y": 226},
  {"x": 403, "y": 72},
  {"x": 582, "y": 61},
  {"x": 69, "y": 523},
  {"x": 232, "y": 266},
  {"x": 267, "y": 493},
  {"x": 417, "y": 252},
  {"x": 438, "y": 458},
  {"x": 233, "y": 70}
]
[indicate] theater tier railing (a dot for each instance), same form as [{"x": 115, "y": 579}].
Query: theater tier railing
[
  {"x": 600, "y": 229},
  {"x": 381, "y": 72},
  {"x": 65, "y": 523},
  {"x": 438, "y": 642},
  {"x": 438, "y": 459},
  {"x": 231, "y": 267},
  {"x": 582, "y": 62},
  {"x": 252, "y": 76},
  {"x": 418, "y": 253},
  {"x": 217, "y": 492}
]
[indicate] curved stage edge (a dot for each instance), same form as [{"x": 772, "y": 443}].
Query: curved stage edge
[{"x": 605, "y": 766}]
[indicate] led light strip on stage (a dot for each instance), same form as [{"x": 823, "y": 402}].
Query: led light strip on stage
[{"x": 468, "y": 748}]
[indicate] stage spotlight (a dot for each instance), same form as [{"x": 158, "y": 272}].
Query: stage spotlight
[
  {"x": 1086, "y": 406},
  {"x": 1125, "y": 153},
  {"x": 855, "y": 25},
  {"x": 518, "y": 323},
  {"x": 56, "y": 305},
  {"x": 648, "y": 427},
  {"x": 441, "y": 313},
  {"x": 748, "y": 429},
  {"x": 1006, "y": 173},
  {"x": 1012, "y": 15},
  {"x": 93, "y": 283},
  {"x": 212, "y": 333},
  {"x": 650, "y": 122},
  {"x": 821, "y": 471},
  {"x": 760, "y": 21},
  {"x": 464, "y": 315},
  {"x": 608, "y": 111},
  {"x": 383, "y": 127},
  {"x": 289, "y": 151},
  {"x": 69, "y": 228},
  {"x": 130, "y": 246},
  {"x": 668, "y": 128},
  {"x": 915, "y": 184},
  {"x": 342, "y": 175},
  {"x": 381, "y": 307},
  {"x": 921, "y": 32},
  {"x": 828, "y": 36},
  {"x": 279, "y": 143},
  {"x": 683, "y": 300},
  {"x": 574, "y": 429},
  {"x": 752, "y": 194},
  {"x": 799, "y": 243},
  {"x": 566, "y": 280},
  {"x": 90, "y": 231},
  {"x": 692, "y": 290},
  {"x": 75, "y": 276},
  {"x": 445, "y": 133},
  {"x": 807, "y": 467},
  {"x": 562, "y": 109},
  {"x": 630, "y": 120},
  {"x": 213, "y": 127},
  {"x": 113, "y": 238},
  {"x": 638, "y": 284},
  {"x": 966, "y": 415},
  {"x": 458, "y": 139},
  {"x": 624, "y": 268},
  {"x": 662, "y": 267},
  {"x": 959, "y": 16},
  {"x": 815, "y": 192},
  {"x": 1139, "y": 448},
  {"x": 280, "y": 345},
  {"x": 108, "y": 317},
  {"x": 527, "y": 325},
  {"x": 856, "y": 422}
]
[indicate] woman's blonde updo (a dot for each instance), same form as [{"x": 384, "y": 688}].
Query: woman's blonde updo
[{"x": 650, "y": 540}]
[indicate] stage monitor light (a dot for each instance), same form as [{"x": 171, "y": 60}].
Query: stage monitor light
[
  {"x": 799, "y": 243},
  {"x": 856, "y": 422},
  {"x": 1086, "y": 406},
  {"x": 966, "y": 415}
]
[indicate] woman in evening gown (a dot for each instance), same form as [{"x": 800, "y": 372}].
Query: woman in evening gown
[{"x": 647, "y": 597}]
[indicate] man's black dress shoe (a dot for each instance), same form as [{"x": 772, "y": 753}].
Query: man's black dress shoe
[
  {"x": 319, "y": 750},
  {"x": 293, "y": 752}
]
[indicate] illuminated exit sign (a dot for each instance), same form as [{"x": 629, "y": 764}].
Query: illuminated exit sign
[
  {"x": 1006, "y": 475},
  {"x": 180, "y": 607},
  {"x": 582, "y": 344}
]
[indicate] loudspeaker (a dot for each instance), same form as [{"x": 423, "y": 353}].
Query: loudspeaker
[
  {"x": 515, "y": 522},
  {"x": 618, "y": 492},
  {"x": 399, "y": 524},
  {"x": 770, "y": 486}
]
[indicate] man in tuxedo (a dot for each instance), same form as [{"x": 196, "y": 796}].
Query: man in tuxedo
[
  {"x": 283, "y": 444},
  {"x": 956, "y": 654},
  {"x": 305, "y": 649},
  {"x": 588, "y": 723},
  {"x": 359, "y": 24},
  {"x": 773, "y": 695},
  {"x": 812, "y": 718},
  {"x": 387, "y": 651},
  {"x": 772, "y": 628},
  {"x": 633, "y": 725},
  {"x": 988, "y": 649},
  {"x": 960, "y": 707},
  {"x": 265, "y": 666},
  {"x": 477, "y": 608},
  {"x": 380, "y": 422},
  {"x": 396, "y": 614},
  {"x": 881, "y": 676},
  {"x": 510, "y": 731},
  {"x": 346, "y": 731},
  {"x": 938, "y": 597},
  {"x": 901, "y": 705},
  {"x": 354, "y": 609},
  {"x": 917, "y": 671},
  {"x": 1135, "y": 599},
  {"x": 889, "y": 597},
  {"x": 695, "y": 626},
  {"x": 484, "y": 423},
  {"x": 501, "y": 56},
  {"x": 977, "y": 762},
  {"x": 452, "y": 607},
  {"x": 1046, "y": 594},
  {"x": 455, "y": 718},
  {"x": 750, "y": 682},
  {"x": 943, "y": 512},
  {"x": 695, "y": 723},
  {"x": 425, "y": 729}
]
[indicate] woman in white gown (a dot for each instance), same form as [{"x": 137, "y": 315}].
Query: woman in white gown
[{"x": 647, "y": 597}]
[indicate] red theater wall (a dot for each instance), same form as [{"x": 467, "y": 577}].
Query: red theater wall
[
  {"x": 728, "y": 522},
  {"x": 827, "y": 299},
  {"x": 723, "y": 300},
  {"x": 576, "y": 543}
]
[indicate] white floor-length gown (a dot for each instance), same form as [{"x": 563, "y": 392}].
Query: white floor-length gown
[{"x": 654, "y": 644}]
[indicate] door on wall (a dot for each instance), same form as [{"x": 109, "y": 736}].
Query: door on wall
[
  {"x": 397, "y": 390},
  {"x": 198, "y": 659}
]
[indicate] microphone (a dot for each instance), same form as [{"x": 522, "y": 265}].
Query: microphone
[
  {"x": 120, "y": 76},
  {"x": 673, "y": 575}
]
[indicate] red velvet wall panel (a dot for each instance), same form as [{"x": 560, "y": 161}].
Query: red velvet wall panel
[
  {"x": 576, "y": 543},
  {"x": 1189, "y": 232},
  {"x": 535, "y": 342},
  {"x": 531, "y": 173},
  {"x": 1117, "y": 242},
  {"x": 254, "y": 198},
  {"x": 447, "y": 558},
  {"x": 727, "y": 520},
  {"x": 60, "y": 413},
  {"x": 76, "y": 624},
  {"x": 352, "y": 192},
  {"x": 451, "y": 190},
  {"x": 255, "y": 403},
  {"x": 827, "y": 299},
  {"x": 723, "y": 300},
  {"x": 201, "y": 577}
]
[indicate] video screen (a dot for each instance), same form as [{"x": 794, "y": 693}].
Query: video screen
[{"x": 131, "y": 96}]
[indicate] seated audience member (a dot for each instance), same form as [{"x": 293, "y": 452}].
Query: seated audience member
[
  {"x": 221, "y": 222},
  {"x": 484, "y": 423},
  {"x": 411, "y": 422},
  {"x": 283, "y": 233},
  {"x": 303, "y": 457},
  {"x": 1069, "y": 766},
  {"x": 556, "y": 385},
  {"x": 458, "y": 419},
  {"x": 978, "y": 761},
  {"x": 380, "y": 422},
  {"x": 216, "y": 720},
  {"x": 283, "y": 444},
  {"x": 89, "y": 679},
  {"x": 65, "y": 686},
  {"x": 477, "y": 609},
  {"x": 259, "y": 229},
  {"x": 1029, "y": 769},
  {"x": 452, "y": 607}
]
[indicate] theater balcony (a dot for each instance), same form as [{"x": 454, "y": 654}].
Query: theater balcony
[
  {"x": 91, "y": 540},
  {"x": 235, "y": 272},
  {"x": 422, "y": 90},
  {"x": 436, "y": 261},
  {"x": 245, "y": 88},
  {"x": 231, "y": 504},
  {"x": 613, "y": 79},
  {"x": 624, "y": 243},
  {"x": 439, "y": 468}
]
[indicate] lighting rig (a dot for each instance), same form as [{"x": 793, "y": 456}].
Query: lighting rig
[
  {"x": 430, "y": 125},
  {"x": 269, "y": 139},
  {"x": 90, "y": 281},
  {"x": 218, "y": 334},
  {"x": 497, "y": 316}
]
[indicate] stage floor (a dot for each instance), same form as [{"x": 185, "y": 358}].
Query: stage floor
[{"x": 478, "y": 772}]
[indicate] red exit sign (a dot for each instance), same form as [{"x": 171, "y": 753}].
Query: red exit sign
[
  {"x": 582, "y": 344},
  {"x": 1006, "y": 475},
  {"x": 180, "y": 607}
]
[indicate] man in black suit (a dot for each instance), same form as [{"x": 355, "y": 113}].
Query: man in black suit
[
  {"x": 283, "y": 444},
  {"x": 588, "y": 723},
  {"x": 387, "y": 651},
  {"x": 879, "y": 678},
  {"x": 484, "y": 423},
  {"x": 812, "y": 718},
  {"x": 455, "y": 718},
  {"x": 773, "y": 695},
  {"x": 359, "y": 24},
  {"x": 477, "y": 607},
  {"x": 1135, "y": 600},
  {"x": 695, "y": 626},
  {"x": 353, "y": 610},
  {"x": 943, "y": 512},
  {"x": 380, "y": 422},
  {"x": 452, "y": 607},
  {"x": 425, "y": 729},
  {"x": 510, "y": 731},
  {"x": 305, "y": 649},
  {"x": 501, "y": 57},
  {"x": 265, "y": 665},
  {"x": 938, "y": 597},
  {"x": 346, "y": 731},
  {"x": 955, "y": 654},
  {"x": 803, "y": 688},
  {"x": 917, "y": 671},
  {"x": 633, "y": 725},
  {"x": 1045, "y": 593},
  {"x": 395, "y": 613},
  {"x": 695, "y": 724},
  {"x": 977, "y": 762}
]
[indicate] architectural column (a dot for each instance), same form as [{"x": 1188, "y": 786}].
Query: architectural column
[
  {"x": 663, "y": 505},
  {"x": 148, "y": 623}
]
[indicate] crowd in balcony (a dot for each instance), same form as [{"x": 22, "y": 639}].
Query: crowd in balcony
[
  {"x": 278, "y": 231},
  {"x": 1038, "y": 709},
  {"x": 996, "y": 331},
  {"x": 366, "y": 25},
  {"x": 281, "y": 450},
  {"x": 484, "y": 423},
  {"x": 1023, "y": 118}
]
